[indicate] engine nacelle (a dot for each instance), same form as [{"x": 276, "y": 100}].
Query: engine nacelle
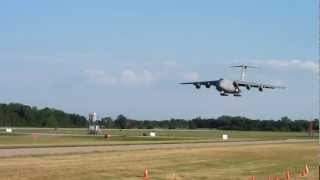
[
  {"x": 208, "y": 85},
  {"x": 198, "y": 86},
  {"x": 260, "y": 89},
  {"x": 248, "y": 87}
]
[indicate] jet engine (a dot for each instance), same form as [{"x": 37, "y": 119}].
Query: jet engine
[
  {"x": 198, "y": 86},
  {"x": 260, "y": 89}
]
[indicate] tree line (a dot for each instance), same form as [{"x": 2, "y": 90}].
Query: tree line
[
  {"x": 222, "y": 122},
  {"x": 19, "y": 115}
]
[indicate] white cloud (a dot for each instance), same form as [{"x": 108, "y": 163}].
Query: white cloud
[
  {"x": 126, "y": 77},
  {"x": 131, "y": 77},
  {"x": 100, "y": 77},
  {"x": 170, "y": 63},
  {"x": 291, "y": 64},
  {"x": 191, "y": 76},
  {"x": 148, "y": 76},
  {"x": 278, "y": 83}
]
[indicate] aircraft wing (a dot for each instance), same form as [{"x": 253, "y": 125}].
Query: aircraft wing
[
  {"x": 205, "y": 83},
  {"x": 258, "y": 85}
]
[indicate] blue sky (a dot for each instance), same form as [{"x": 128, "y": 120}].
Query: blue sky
[{"x": 126, "y": 57}]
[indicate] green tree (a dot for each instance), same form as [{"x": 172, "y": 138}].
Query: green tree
[
  {"x": 107, "y": 122},
  {"x": 52, "y": 122},
  {"x": 121, "y": 122}
]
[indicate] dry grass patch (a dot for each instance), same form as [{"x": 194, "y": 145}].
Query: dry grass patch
[{"x": 220, "y": 163}]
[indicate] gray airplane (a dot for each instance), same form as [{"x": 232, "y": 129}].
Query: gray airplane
[{"x": 226, "y": 87}]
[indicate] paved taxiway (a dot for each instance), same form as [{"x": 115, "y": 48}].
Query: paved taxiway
[{"x": 89, "y": 149}]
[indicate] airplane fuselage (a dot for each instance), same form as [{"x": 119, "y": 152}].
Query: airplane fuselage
[{"x": 226, "y": 87}]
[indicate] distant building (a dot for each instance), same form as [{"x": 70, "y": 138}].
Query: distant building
[
  {"x": 94, "y": 127},
  {"x": 92, "y": 117}
]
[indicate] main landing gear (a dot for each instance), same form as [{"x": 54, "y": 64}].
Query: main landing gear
[{"x": 224, "y": 94}]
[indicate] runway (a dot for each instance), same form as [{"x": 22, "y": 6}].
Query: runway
[{"x": 90, "y": 149}]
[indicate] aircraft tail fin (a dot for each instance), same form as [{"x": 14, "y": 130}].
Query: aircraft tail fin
[{"x": 244, "y": 69}]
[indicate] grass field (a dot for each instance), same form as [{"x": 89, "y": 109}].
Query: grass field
[
  {"x": 220, "y": 163},
  {"x": 22, "y": 137}
]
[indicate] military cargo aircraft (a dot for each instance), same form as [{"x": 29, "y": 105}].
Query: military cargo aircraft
[{"x": 227, "y": 87}]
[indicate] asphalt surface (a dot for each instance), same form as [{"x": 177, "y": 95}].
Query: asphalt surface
[{"x": 90, "y": 149}]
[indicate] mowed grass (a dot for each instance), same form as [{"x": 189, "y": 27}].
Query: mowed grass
[
  {"x": 200, "y": 134},
  {"x": 43, "y": 140},
  {"x": 220, "y": 163},
  {"x": 22, "y": 137}
]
